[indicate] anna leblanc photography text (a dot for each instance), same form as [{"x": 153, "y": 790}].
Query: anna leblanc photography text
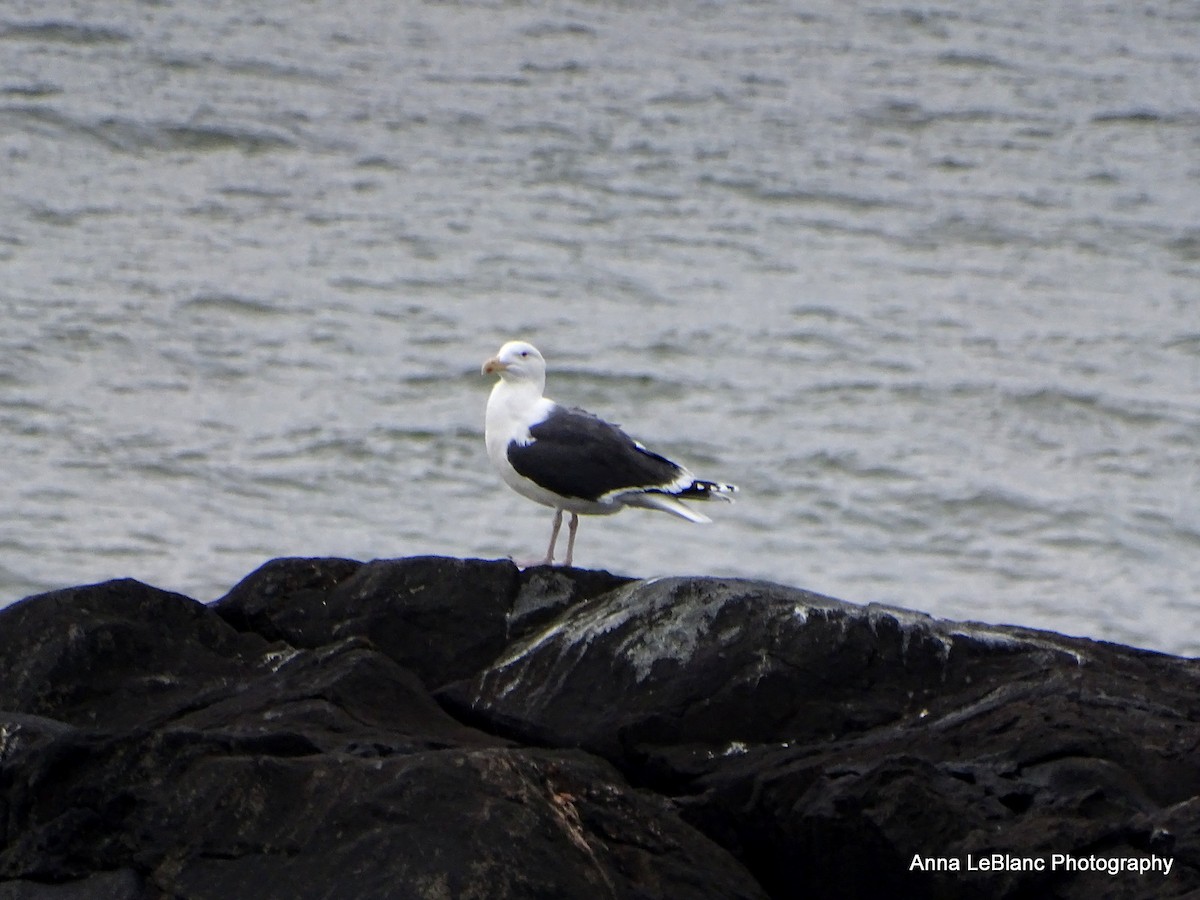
[{"x": 1055, "y": 862}]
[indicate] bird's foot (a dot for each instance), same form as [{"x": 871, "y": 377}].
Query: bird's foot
[{"x": 528, "y": 563}]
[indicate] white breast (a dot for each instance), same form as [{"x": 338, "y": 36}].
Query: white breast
[{"x": 511, "y": 412}]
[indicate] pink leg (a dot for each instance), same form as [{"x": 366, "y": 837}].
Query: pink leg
[
  {"x": 549, "y": 560},
  {"x": 571, "y": 529}
]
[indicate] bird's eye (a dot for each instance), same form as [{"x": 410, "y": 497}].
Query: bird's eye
[{"x": 524, "y": 354}]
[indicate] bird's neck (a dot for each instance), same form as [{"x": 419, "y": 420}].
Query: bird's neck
[
  {"x": 515, "y": 396},
  {"x": 513, "y": 402}
]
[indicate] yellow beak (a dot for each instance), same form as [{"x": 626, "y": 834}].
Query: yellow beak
[{"x": 492, "y": 366}]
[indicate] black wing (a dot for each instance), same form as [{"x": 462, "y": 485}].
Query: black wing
[{"x": 575, "y": 454}]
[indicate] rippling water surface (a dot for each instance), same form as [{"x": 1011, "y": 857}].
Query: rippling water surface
[{"x": 923, "y": 279}]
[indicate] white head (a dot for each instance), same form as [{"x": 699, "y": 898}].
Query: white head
[{"x": 518, "y": 362}]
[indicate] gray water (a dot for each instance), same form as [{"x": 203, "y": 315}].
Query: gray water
[{"x": 923, "y": 279}]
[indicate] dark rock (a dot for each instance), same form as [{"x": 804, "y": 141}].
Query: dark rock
[
  {"x": 546, "y": 592},
  {"x": 284, "y": 599},
  {"x": 115, "y": 653},
  {"x": 202, "y": 816},
  {"x": 148, "y": 748},
  {"x": 122, "y": 884},
  {"x": 443, "y": 618},
  {"x": 446, "y": 728},
  {"x": 825, "y": 744}
]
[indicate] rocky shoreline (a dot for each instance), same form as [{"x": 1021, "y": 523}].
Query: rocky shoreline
[{"x": 433, "y": 727}]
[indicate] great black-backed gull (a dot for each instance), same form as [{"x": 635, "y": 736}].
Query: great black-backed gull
[{"x": 572, "y": 461}]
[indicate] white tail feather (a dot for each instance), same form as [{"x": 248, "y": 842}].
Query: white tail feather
[{"x": 666, "y": 503}]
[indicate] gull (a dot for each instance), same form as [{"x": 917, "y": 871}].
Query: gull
[{"x": 573, "y": 461}]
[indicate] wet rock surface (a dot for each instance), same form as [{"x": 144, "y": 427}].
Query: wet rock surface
[{"x": 450, "y": 728}]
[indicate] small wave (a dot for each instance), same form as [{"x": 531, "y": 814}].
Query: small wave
[
  {"x": 603, "y": 384},
  {"x": 559, "y": 29},
  {"x": 1186, "y": 343},
  {"x": 683, "y": 97},
  {"x": 32, "y": 89},
  {"x": 990, "y": 503},
  {"x": 308, "y": 447},
  {"x": 960, "y": 229},
  {"x": 65, "y": 33},
  {"x": 129, "y": 136},
  {"x": 755, "y": 189},
  {"x": 897, "y": 113},
  {"x": 232, "y": 303},
  {"x": 1139, "y": 117},
  {"x": 848, "y": 462},
  {"x": 824, "y": 312},
  {"x": 1186, "y": 246},
  {"x": 567, "y": 67},
  {"x": 1056, "y": 401},
  {"x": 192, "y": 137},
  {"x": 172, "y": 58},
  {"x": 972, "y": 60}
]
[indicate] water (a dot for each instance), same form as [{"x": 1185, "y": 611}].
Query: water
[{"x": 923, "y": 280}]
